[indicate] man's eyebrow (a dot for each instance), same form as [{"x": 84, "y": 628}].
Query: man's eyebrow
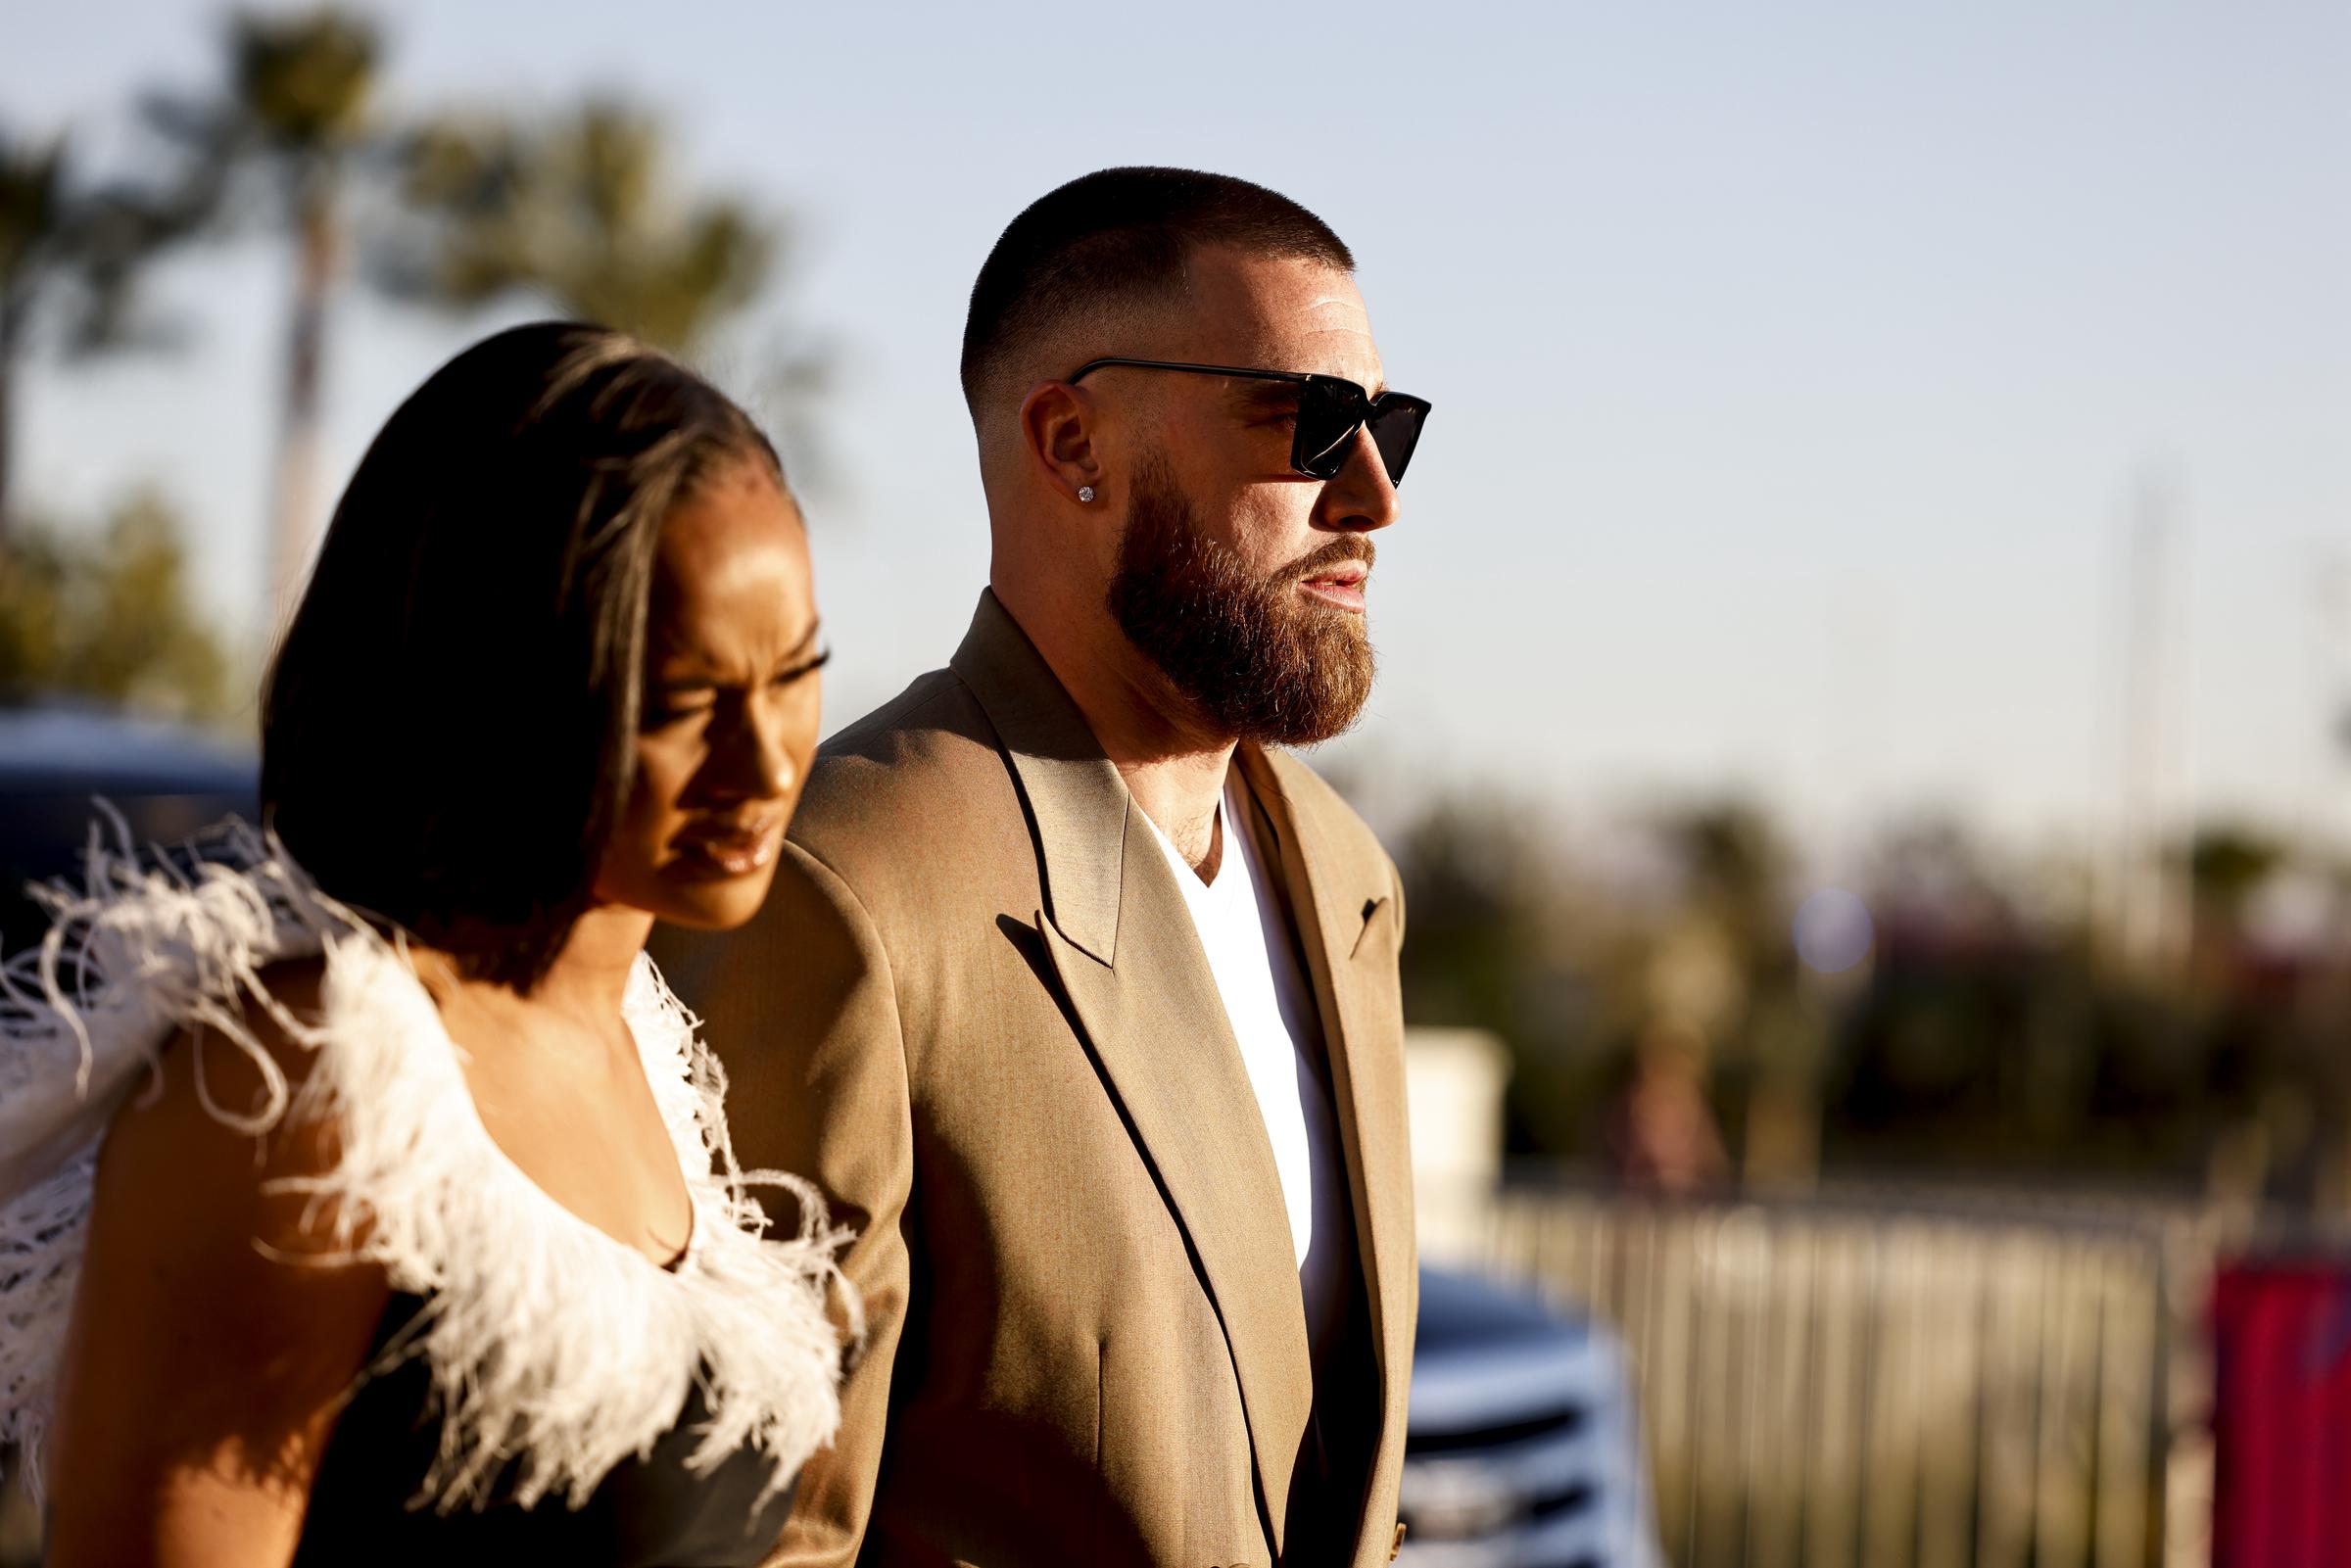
[
  {"x": 1277, "y": 396},
  {"x": 1270, "y": 395}
]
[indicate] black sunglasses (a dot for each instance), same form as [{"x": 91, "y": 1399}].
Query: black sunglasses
[{"x": 1329, "y": 412}]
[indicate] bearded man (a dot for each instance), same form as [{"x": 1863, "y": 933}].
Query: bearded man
[{"x": 1077, "y": 996}]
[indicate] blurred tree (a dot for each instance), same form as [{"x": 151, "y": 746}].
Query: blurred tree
[
  {"x": 273, "y": 149},
  {"x": 1503, "y": 937},
  {"x": 31, "y": 247},
  {"x": 1735, "y": 863},
  {"x": 581, "y": 211},
  {"x": 2225, "y": 863},
  {"x": 109, "y": 617},
  {"x": 70, "y": 252},
  {"x": 1471, "y": 925},
  {"x": 1989, "y": 1035},
  {"x": 1728, "y": 974},
  {"x": 576, "y": 210}
]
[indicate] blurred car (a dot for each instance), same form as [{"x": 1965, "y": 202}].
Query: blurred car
[
  {"x": 1522, "y": 1449},
  {"x": 58, "y": 760}
]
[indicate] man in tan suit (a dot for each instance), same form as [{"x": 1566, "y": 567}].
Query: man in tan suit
[{"x": 1078, "y": 999}]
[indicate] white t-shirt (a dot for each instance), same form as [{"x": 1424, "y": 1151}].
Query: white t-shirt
[{"x": 1271, "y": 1008}]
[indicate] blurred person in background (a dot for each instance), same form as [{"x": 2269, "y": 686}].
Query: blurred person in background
[
  {"x": 1662, "y": 1135},
  {"x": 365, "y": 1195},
  {"x": 1107, "y": 1059}
]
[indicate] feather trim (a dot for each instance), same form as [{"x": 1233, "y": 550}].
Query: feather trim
[{"x": 554, "y": 1348}]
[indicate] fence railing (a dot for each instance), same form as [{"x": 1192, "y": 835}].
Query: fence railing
[{"x": 1882, "y": 1383}]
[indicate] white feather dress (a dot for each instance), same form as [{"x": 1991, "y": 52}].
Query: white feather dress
[{"x": 555, "y": 1354}]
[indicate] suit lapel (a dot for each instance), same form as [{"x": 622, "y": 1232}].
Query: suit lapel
[
  {"x": 1124, "y": 949},
  {"x": 1339, "y": 904},
  {"x": 1158, "y": 1030}
]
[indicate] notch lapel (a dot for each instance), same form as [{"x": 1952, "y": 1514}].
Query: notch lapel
[{"x": 1123, "y": 946}]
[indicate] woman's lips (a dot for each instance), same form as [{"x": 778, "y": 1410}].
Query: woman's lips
[{"x": 737, "y": 852}]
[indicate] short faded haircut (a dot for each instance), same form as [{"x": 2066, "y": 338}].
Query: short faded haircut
[{"x": 1117, "y": 238}]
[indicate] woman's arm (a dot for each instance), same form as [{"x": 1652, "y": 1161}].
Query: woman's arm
[{"x": 213, "y": 1336}]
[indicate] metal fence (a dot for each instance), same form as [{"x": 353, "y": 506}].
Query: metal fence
[{"x": 1891, "y": 1383}]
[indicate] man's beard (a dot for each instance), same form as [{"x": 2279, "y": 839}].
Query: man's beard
[{"x": 1255, "y": 657}]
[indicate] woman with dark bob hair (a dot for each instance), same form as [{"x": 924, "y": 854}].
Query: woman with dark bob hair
[{"x": 365, "y": 1196}]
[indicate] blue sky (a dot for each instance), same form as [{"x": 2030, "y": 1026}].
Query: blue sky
[{"x": 1794, "y": 365}]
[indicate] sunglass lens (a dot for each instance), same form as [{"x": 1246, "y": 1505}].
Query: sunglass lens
[
  {"x": 1330, "y": 411},
  {"x": 1396, "y": 430}
]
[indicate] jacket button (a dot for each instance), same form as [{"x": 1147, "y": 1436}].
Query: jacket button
[{"x": 1396, "y": 1547}]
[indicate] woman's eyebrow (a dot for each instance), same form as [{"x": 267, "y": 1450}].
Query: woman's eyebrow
[
  {"x": 689, "y": 666},
  {"x": 682, "y": 665},
  {"x": 807, "y": 639}
]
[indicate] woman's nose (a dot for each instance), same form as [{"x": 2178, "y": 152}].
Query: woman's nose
[{"x": 755, "y": 759}]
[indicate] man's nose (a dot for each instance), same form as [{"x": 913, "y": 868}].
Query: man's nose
[{"x": 1358, "y": 498}]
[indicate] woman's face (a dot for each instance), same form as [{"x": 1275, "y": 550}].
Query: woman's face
[{"x": 730, "y": 708}]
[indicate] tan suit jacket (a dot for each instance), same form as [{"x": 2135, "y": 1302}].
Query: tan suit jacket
[{"x": 975, "y": 1012}]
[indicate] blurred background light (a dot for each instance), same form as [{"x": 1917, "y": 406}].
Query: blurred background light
[{"x": 1833, "y": 930}]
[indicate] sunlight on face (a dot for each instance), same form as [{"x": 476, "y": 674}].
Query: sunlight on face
[
  {"x": 731, "y": 707},
  {"x": 1228, "y": 442}
]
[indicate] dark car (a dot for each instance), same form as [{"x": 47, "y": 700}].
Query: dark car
[
  {"x": 57, "y": 761},
  {"x": 1524, "y": 1450}
]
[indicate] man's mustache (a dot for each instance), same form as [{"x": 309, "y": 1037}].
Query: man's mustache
[{"x": 1346, "y": 548}]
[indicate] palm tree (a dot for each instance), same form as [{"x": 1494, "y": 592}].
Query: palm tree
[
  {"x": 574, "y": 208},
  {"x": 578, "y": 211},
  {"x": 273, "y": 150},
  {"x": 582, "y": 212},
  {"x": 31, "y": 233},
  {"x": 72, "y": 253}
]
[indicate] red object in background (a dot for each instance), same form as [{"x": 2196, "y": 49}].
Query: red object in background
[{"x": 2282, "y": 1414}]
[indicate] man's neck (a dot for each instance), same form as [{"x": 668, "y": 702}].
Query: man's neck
[
  {"x": 1172, "y": 766},
  {"x": 1180, "y": 795}
]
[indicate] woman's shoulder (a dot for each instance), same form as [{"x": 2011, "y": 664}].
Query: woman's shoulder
[
  {"x": 218, "y": 937},
  {"x": 233, "y": 1145},
  {"x": 236, "y": 1068},
  {"x": 209, "y": 1148},
  {"x": 153, "y": 1048},
  {"x": 251, "y": 1049}
]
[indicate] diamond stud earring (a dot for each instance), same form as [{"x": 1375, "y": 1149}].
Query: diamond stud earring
[{"x": 1085, "y": 492}]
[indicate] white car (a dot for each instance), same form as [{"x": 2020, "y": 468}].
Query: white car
[{"x": 1523, "y": 1448}]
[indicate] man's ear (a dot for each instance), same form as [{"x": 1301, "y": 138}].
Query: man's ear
[{"x": 1057, "y": 437}]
